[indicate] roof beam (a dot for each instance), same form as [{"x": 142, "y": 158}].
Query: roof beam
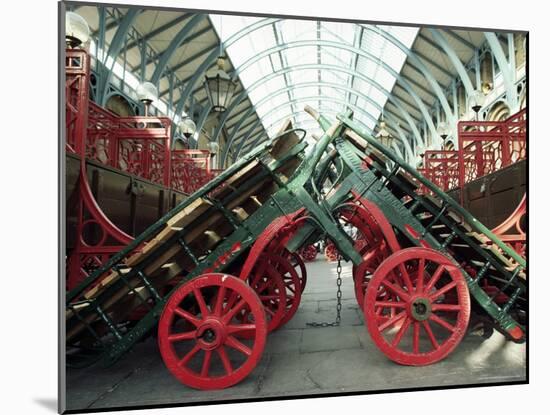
[
  {"x": 190, "y": 38},
  {"x": 460, "y": 39},
  {"x": 418, "y": 85},
  {"x": 408, "y": 104},
  {"x": 161, "y": 29},
  {"x": 181, "y": 37},
  {"x": 436, "y": 65},
  {"x": 185, "y": 62}
]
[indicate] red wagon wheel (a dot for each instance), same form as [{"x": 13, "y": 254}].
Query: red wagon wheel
[
  {"x": 371, "y": 245},
  {"x": 331, "y": 252},
  {"x": 362, "y": 274},
  {"x": 297, "y": 262},
  {"x": 308, "y": 253},
  {"x": 270, "y": 287},
  {"x": 292, "y": 285},
  {"x": 427, "y": 312},
  {"x": 200, "y": 338}
]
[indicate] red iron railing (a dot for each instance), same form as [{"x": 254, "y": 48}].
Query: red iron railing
[
  {"x": 190, "y": 170},
  {"x": 137, "y": 145},
  {"x": 483, "y": 148}
]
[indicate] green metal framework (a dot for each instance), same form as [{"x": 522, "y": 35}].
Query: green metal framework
[{"x": 386, "y": 180}]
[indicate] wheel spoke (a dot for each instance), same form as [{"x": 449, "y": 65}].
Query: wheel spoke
[
  {"x": 200, "y": 300},
  {"x": 435, "y": 318},
  {"x": 420, "y": 278},
  {"x": 392, "y": 321},
  {"x": 225, "y": 359},
  {"x": 264, "y": 284},
  {"x": 231, "y": 313},
  {"x": 219, "y": 301},
  {"x": 443, "y": 290},
  {"x": 416, "y": 337},
  {"x": 230, "y": 302},
  {"x": 392, "y": 287},
  {"x": 176, "y": 337},
  {"x": 390, "y": 304},
  {"x": 206, "y": 362},
  {"x": 446, "y": 307},
  {"x": 437, "y": 275},
  {"x": 401, "y": 332},
  {"x": 269, "y": 311},
  {"x": 236, "y": 328},
  {"x": 430, "y": 334},
  {"x": 189, "y": 355},
  {"x": 269, "y": 297},
  {"x": 187, "y": 316},
  {"x": 406, "y": 277},
  {"x": 231, "y": 341}
]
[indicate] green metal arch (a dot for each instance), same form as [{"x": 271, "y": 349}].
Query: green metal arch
[
  {"x": 349, "y": 71},
  {"x": 333, "y": 86},
  {"x": 504, "y": 66},
  {"x": 303, "y": 43},
  {"x": 114, "y": 50},
  {"x": 418, "y": 63},
  {"x": 269, "y": 21},
  {"x": 173, "y": 46}
]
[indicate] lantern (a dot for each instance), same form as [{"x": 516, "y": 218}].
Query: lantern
[
  {"x": 219, "y": 87},
  {"x": 147, "y": 93},
  {"x": 187, "y": 127},
  {"x": 77, "y": 31}
]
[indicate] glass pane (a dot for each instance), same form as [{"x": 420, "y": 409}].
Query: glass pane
[{"x": 377, "y": 59}]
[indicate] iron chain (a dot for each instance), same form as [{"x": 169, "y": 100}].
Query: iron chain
[
  {"x": 335, "y": 323},
  {"x": 339, "y": 289}
]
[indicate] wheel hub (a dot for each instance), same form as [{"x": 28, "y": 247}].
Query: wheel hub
[
  {"x": 211, "y": 334},
  {"x": 420, "y": 308}
]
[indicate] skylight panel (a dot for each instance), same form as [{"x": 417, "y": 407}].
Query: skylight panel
[{"x": 379, "y": 51}]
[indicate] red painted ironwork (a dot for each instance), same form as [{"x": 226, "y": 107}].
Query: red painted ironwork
[
  {"x": 211, "y": 326},
  {"x": 511, "y": 230},
  {"x": 137, "y": 145},
  {"x": 191, "y": 170},
  {"x": 443, "y": 169},
  {"x": 483, "y": 148},
  {"x": 486, "y": 146},
  {"x": 77, "y": 69}
]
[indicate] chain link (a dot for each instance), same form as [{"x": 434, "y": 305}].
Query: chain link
[
  {"x": 335, "y": 323},
  {"x": 339, "y": 289}
]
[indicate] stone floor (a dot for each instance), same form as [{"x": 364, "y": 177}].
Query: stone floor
[{"x": 301, "y": 360}]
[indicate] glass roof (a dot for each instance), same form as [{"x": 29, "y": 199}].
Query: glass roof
[{"x": 328, "y": 89}]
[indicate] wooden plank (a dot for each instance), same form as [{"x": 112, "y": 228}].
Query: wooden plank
[
  {"x": 364, "y": 146},
  {"x": 189, "y": 213}
]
